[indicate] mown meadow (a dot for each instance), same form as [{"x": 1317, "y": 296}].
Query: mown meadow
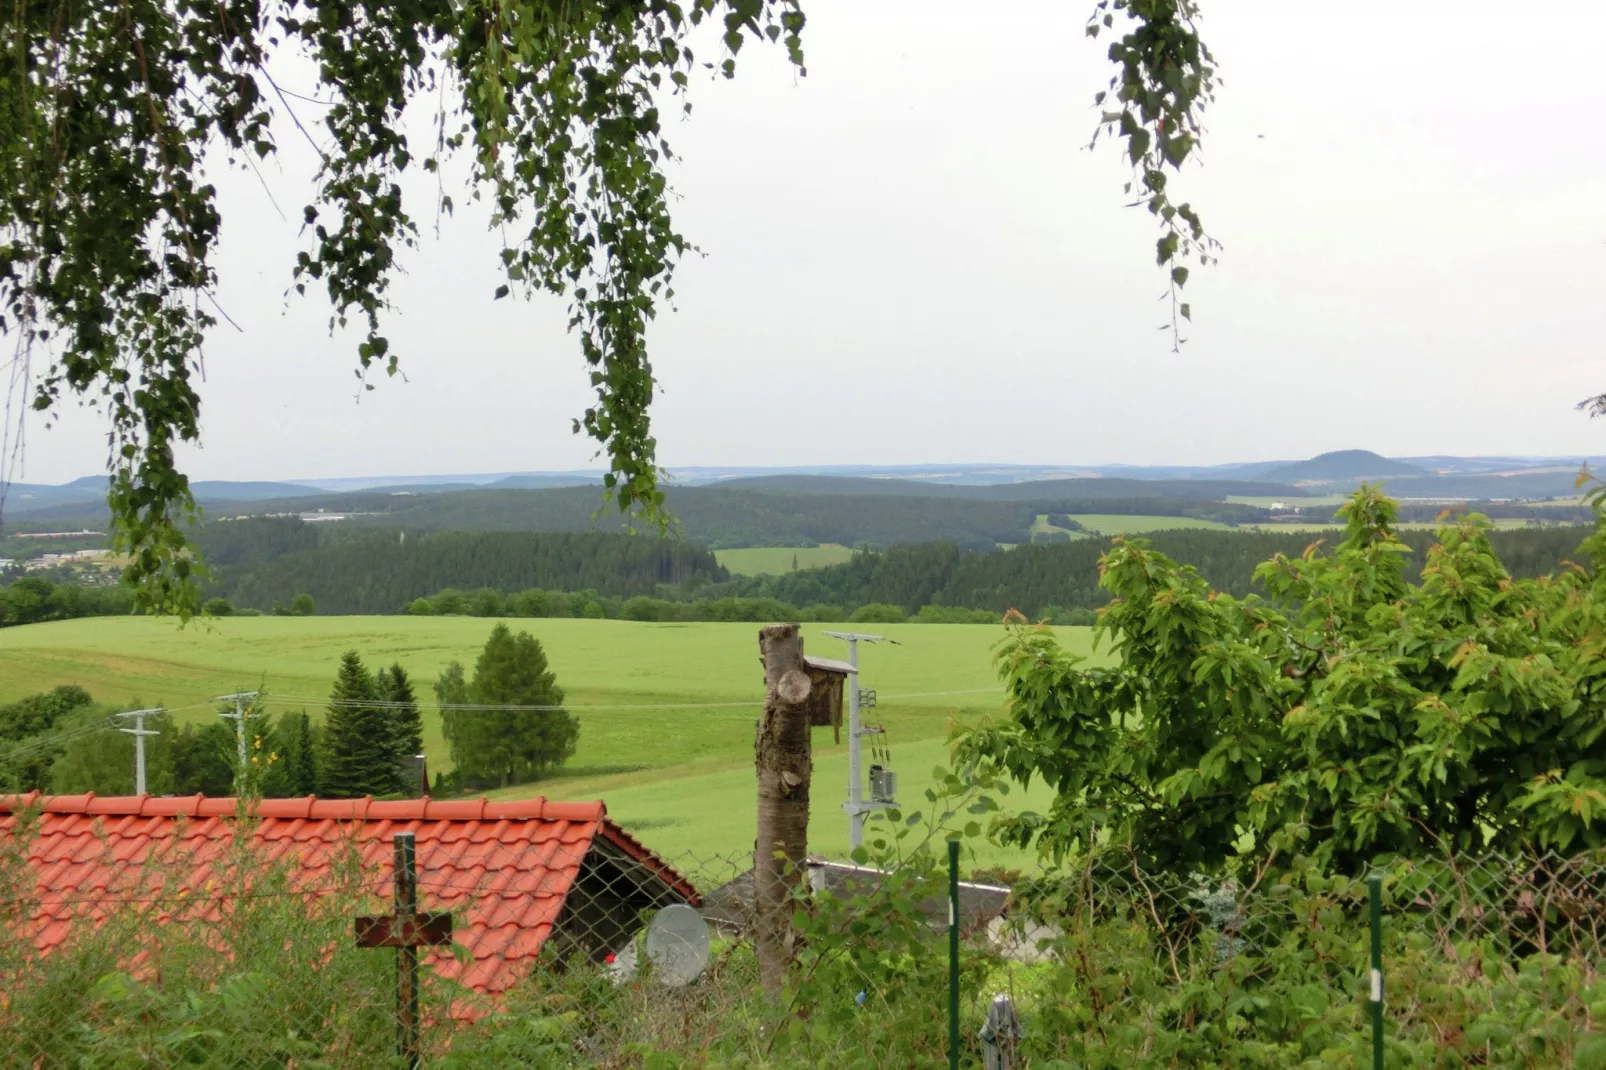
[
  {"x": 666, "y": 710},
  {"x": 767, "y": 560}
]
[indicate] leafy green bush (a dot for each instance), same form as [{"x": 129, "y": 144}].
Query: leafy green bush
[
  {"x": 953, "y": 615},
  {"x": 879, "y": 613},
  {"x": 1354, "y": 714}
]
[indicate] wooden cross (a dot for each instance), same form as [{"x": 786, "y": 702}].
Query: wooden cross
[{"x": 406, "y": 930}]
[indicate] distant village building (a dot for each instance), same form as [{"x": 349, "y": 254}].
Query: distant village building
[{"x": 70, "y": 557}]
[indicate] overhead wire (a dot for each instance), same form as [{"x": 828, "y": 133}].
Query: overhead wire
[
  {"x": 42, "y": 744},
  {"x": 348, "y": 703}
]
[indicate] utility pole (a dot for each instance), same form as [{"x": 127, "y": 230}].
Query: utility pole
[
  {"x": 239, "y": 698},
  {"x": 856, "y": 806},
  {"x": 139, "y": 733}
]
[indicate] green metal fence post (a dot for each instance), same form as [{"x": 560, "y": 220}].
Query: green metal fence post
[
  {"x": 953, "y": 955},
  {"x": 1374, "y": 895}
]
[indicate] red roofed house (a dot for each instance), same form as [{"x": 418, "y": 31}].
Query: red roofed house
[{"x": 517, "y": 875}]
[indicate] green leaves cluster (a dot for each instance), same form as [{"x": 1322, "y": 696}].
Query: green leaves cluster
[
  {"x": 109, "y": 227},
  {"x": 1351, "y": 715},
  {"x": 1165, "y": 77}
]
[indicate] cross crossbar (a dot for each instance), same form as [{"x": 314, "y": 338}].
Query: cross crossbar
[{"x": 416, "y": 930}]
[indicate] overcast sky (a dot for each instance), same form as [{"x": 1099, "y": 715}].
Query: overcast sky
[{"x": 910, "y": 257}]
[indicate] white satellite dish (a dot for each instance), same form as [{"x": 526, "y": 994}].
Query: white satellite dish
[{"x": 677, "y": 945}]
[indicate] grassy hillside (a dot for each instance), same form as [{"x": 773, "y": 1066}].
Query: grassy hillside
[
  {"x": 680, "y": 773},
  {"x": 769, "y": 560},
  {"x": 1341, "y": 465},
  {"x": 1109, "y": 524}
]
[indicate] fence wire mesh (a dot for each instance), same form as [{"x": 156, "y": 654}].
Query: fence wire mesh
[{"x": 139, "y": 941}]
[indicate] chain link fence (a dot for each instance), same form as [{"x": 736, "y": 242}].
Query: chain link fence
[{"x": 564, "y": 947}]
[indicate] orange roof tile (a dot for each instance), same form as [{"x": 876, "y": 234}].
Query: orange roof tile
[{"x": 504, "y": 867}]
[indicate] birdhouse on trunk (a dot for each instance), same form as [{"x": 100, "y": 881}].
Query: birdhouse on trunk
[{"x": 827, "y": 678}]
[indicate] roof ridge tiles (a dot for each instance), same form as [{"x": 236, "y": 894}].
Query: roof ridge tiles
[{"x": 311, "y": 807}]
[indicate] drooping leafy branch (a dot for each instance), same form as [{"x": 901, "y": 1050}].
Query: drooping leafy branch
[
  {"x": 1165, "y": 77},
  {"x": 109, "y": 114},
  {"x": 109, "y": 226}
]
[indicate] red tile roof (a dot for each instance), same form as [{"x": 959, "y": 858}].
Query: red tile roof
[{"x": 504, "y": 868}]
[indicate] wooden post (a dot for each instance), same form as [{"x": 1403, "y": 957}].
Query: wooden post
[
  {"x": 406, "y": 930},
  {"x": 785, "y": 763}
]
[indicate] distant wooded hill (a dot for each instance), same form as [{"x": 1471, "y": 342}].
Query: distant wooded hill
[
  {"x": 801, "y": 510},
  {"x": 261, "y": 563},
  {"x": 1342, "y": 464},
  {"x": 258, "y": 563},
  {"x": 1042, "y": 490}
]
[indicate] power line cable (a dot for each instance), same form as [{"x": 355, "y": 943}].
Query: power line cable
[{"x": 512, "y": 707}]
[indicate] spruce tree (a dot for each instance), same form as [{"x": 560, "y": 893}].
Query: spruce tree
[
  {"x": 297, "y": 748},
  {"x": 358, "y": 753},
  {"x": 406, "y": 727}
]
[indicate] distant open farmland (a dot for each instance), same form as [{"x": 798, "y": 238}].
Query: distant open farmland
[
  {"x": 769, "y": 560},
  {"x": 1041, "y": 526},
  {"x": 680, "y": 771},
  {"x": 1115, "y": 524},
  {"x": 1308, "y": 505}
]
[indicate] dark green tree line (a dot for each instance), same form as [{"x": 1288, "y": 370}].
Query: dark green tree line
[
  {"x": 32, "y": 600},
  {"x": 381, "y": 572},
  {"x": 63, "y": 742}
]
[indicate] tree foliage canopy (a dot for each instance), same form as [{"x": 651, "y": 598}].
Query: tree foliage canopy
[
  {"x": 1349, "y": 715},
  {"x": 510, "y": 726}
]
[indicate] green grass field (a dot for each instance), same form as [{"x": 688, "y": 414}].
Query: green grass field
[
  {"x": 1040, "y": 525},
  {"x": 1500, "y": 523},
  {"x": 679, "y": 773},
  {"x": 761, "y": 560},
  {"x": 1107, "y": 524}
]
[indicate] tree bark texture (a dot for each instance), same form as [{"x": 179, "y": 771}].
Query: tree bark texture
[{"x": 785, "y": 763}]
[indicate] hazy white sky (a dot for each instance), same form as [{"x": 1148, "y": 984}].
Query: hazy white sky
[{"x": 910, "y": 257}]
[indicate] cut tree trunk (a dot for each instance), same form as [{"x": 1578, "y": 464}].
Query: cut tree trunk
[{"x": 785, "y": 764}]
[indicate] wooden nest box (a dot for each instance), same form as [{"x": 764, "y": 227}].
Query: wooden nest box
[{"x": 826, "y": 680}]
